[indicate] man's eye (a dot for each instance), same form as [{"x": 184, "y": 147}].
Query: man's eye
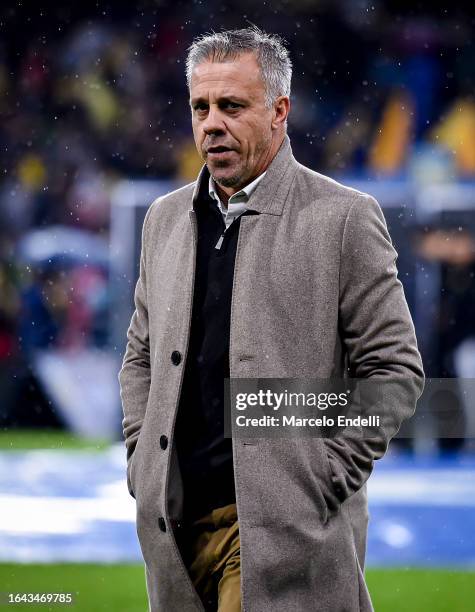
[
  {"x": 199, "y": 107},
  {"x": 232, "y": 105}
]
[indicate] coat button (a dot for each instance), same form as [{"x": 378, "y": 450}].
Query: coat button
[
  {"x": 163, "y": 442},
  {"x": 176, "y": 357},
  {"x": 161, "y": 524}
]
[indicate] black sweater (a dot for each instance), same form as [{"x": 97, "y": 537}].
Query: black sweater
[{"x": 205, "y": 456}]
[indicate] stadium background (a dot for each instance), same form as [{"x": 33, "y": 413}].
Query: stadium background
[{"x": 95, "y": 124}]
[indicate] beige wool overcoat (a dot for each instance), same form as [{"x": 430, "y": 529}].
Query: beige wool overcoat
[{"x": 315, "y": 295}]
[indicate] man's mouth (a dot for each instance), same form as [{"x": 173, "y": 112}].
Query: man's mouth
[{"x": 218, "y": 150}]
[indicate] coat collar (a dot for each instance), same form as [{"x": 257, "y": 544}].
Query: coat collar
[{"x": 270, "y": 194}]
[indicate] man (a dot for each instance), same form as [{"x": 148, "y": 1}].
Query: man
[{"x": 262, "y": 268}]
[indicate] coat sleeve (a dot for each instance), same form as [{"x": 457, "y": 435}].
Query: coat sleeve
[
  {"x": 135, "y": 376},
  {"x": 379, "y": 338}
]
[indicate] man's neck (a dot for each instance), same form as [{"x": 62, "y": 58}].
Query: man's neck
[{"x": 224, "y": 196}]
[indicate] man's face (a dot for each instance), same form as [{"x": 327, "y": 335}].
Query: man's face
[{"x": 231, "y": 125}]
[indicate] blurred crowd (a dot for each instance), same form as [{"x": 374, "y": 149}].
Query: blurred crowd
[{"x": 93, "y": 94}]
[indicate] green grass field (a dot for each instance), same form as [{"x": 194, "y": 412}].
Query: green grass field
[
  {"x": 51, "y": 439},
  {"x": 121, "y": 588}
]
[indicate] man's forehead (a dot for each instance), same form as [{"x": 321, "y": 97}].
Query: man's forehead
[
  {"x": 241, "y": 70},
  {"x": 220, "y": 93}
]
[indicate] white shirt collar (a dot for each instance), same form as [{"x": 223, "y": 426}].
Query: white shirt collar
[{"x": 242, "y": 195}]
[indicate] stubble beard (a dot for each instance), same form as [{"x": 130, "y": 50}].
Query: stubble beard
[{"x": 228, "y": 181}]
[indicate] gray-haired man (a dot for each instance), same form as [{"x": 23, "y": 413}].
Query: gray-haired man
[{"x": 260, "y": 268}]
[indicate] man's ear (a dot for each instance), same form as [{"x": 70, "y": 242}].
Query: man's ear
[{"x": 280, "y": 112}]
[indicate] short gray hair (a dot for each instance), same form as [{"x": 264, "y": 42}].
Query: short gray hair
[{"x": 271, "y": 54}]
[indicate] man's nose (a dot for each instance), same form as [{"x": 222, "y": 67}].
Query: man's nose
[{"x": 214, "y": 122}]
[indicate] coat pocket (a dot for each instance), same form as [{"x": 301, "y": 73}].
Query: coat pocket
[
  {"x": 130, "y": 486},
  {"x": 129, "y": 482},
  {"x": 282, "y": 481},
  {"x": 130, "y": 468}
]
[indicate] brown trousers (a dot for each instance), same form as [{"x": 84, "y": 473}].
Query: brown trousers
[{"x": 214, "y": 562}]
